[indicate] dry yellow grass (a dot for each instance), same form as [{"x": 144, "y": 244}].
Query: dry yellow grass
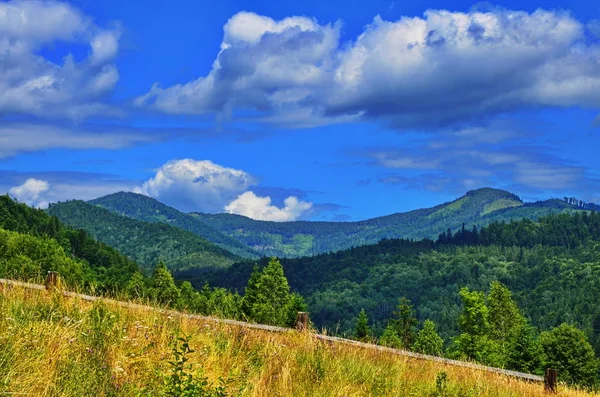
[{"x": 56, "y": 346}]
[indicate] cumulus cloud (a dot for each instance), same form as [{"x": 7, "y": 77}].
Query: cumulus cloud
[
  {"x": 45, "y": 136},
  {"x": 203, "y": 186},
  {"x": 263, "y": 64},
  {"x": 191, "y": 185},
  {"x": 442, "y": 68},
  {"x": 30, "y": 192},
  {"x": 38, "y": 189},
  {"x": 260, "y": 208},
  {"x": 32, "y": 84}
]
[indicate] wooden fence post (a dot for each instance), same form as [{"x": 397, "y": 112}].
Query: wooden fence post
[
  {"x": 51, "y": 280},
  {"x": 302, "y": 321},
  {"x": 550, "y": 380}
]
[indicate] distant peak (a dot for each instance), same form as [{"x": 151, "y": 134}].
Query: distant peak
[{"x": 488, "y": 192}]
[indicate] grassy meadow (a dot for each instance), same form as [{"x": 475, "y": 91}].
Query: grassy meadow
[{"x": 51, "y": 345}]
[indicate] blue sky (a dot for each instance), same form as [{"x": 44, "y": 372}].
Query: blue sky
[{"x": 336, "y": 110}]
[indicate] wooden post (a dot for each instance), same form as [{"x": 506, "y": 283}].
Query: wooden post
[
  {"x": 302, "y": 321},
  {"x": 551, "y": 380},
  {"x": 51, "y": 280}
]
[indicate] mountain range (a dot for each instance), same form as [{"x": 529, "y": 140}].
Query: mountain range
[{"x": 248, "y": 238}]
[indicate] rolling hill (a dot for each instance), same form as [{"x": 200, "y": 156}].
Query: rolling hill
[
  {"x": 293, "y": 239},
  {"x": 146, "y": 243},
  {"x": 146, "y": 209}
]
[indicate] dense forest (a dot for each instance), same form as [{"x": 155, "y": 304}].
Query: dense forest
[
  {"x": 293, "y": 239},
  {"x": 146, "y": 243},
  {"x": 34, "y": 242},
  {"x": 552, "y": 267},
  {"x": 147, "y": 209}
]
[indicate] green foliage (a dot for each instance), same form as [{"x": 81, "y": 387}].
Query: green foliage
[
  {"x": 567, "y": 350},
  {"x": 147, "y": 209},
  {"x": 441, "y": 385},
  {"x": 146, "y": 243},
  {"x": 525, "y": 353},
  {"x": 390, "y": 338},
  {"x": 267, "y": 299},
  {"x": 27, "y": 257},
  {"x": 162, "y": 286},
  {"x": 136, "y": 287},
  {"x": 428, "y": 341},
  {"x": 474, "y": 324},
  {"x": 405, "y": 322},
  {"x": 99, "y": 266},
  {"x": 182, "y": 381},
  {"x": 362, "y": 331},
  {"x": 293, "y": 239}
]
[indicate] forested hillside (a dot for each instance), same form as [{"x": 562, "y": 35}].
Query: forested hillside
[
  {"x": 147, "y": 209},
  {"x": 146, "y": 243},
  {"x": 552, "y": 267},
  {"x": 292, "y": 239},
  {"x": 32, "y": 242}
]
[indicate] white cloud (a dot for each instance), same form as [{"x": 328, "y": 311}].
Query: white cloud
[
  {"x": 192, "y": 185},
  {"x": 32, "y": 84},
  {"x": 263, "y": 64},
  {"x": 38, "y": 192},
  {"x": 203, "y": 186},
  {"x": 41, "y": 136},
  {"x": 440, "y": 69},
  {"x": 30, "y": 192},
  {"x": 260, "y": 208}
]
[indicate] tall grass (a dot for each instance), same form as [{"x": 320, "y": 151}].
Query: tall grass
[{"x": 56, "y": 346}]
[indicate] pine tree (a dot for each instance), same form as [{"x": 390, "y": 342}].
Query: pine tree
[
  {"x": 362, "y": 331},
  {"x": 428, "y": 341},
  {"x": 405, "y": 322},
  {"x": 251, "y": 293},
  {"x": 267, "y": 299},
  {"x": 163, "y": 289}
]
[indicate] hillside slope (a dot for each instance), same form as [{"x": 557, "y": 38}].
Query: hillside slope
[
  {"x": 146, "y": 243},
  {"x": 147, "y": 209},
  {"x": 552, "y": 267},
  {"x": 292, "y": 239},
  {"x": 35, "y": 242},
  {"x": 104, "y": 350}
]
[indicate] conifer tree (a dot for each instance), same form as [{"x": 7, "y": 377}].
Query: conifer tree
[
  {"x": 405, "y": 322},
  {"x": 362, "y": 331},
  {"x": 163, "y": 289},
  {"x": 428, "y": 341}
]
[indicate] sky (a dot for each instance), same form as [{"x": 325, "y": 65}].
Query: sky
[{"x": 299, "y": 110}]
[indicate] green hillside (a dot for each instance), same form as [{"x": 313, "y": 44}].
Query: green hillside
[
  {"x": 147, "y": 209},
  {"x": 33, "y": 242},
  {"x": 552, "y": 267},
  {"x": 292, "y": 239},
  {"x": 146, "y": 243}
]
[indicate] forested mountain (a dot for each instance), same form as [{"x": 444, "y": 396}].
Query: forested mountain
[
  {"x": 147, "y": 209},
  {"x": 293, "y": 239},
  {"x": 552, "y": 267},
  {"x": 146, "y": 243},
  {"x": 32, "y": 242}
]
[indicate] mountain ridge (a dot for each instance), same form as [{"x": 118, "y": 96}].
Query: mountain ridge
[{"x": 251, "y": 238}]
